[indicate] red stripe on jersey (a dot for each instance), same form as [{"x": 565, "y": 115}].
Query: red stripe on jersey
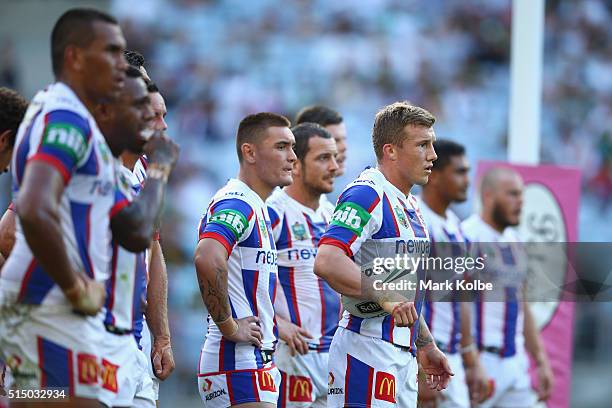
[
  {"x": 118, "y": 207},
  {"x": 298, "y": 320},
  {"x": 391, "y": 327},
  {"x": 346, "y": 248},
  {"x": 322, "y": 310},
  {"x": 255, "y": 388},
  {"x": 70, "y": 374},
  {"x": 26, "y": 279},
  {"x": 87, "y": 237},
  {"x": 347, "y": 375},
  {"x": 41, "y": 362},
  {"x": 230, "y": 391},
  {"x": 113, "y": 280},
  {"x": 370, "y": 385},
  {"x": 219, "y": 238},
  {"x": 255, "y": 284},
  {"x": 54, "y": 162},
  {"x": 221, "y": 353},
  {"x": 392, "y": 215}
]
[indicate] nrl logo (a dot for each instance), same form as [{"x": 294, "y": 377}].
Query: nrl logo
[
  {"x": 299, "y": 231},
  {"x": 401, "y": 216}
]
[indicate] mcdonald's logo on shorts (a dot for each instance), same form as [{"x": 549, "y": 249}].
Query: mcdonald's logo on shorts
[
  {"x": 109, "y": 376},
  {"x": 300, "y": 389},
  {"x": 266, "y": 381},
  {"x": 384, "y": 388},
  {"x": 87, "y": 369}
]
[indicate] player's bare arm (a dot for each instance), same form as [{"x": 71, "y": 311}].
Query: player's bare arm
[
  {"x": 533, "y": 344},
  {"x": 7, "y": 233},
  {"x": 157, "y": 314},
  {"x": 476, "y": 377},
  {"x": 211, "y": 268},
  {"x": 133, "y": 226},
  {"x": 38, "y": 209},
  {"x": 432, "y": 360}
]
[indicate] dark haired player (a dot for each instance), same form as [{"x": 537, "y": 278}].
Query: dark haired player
[
  {"x": 307, "y": 308},
  {"x": 235, "y": 262}
]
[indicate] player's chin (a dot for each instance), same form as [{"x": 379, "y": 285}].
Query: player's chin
[{"x": 285, "y": 180}]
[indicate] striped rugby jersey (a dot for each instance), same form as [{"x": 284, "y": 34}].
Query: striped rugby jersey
[
  {"x": 238, "y": 218},
  {"x": 374, "y": 212},
  {"x": 58, "y": 130},
  {"x": 499, "y": 323},
  {"x": 127, "y": 285},
  {"x": 443, "y": 318},
  {"x": 302, "y": 297}
]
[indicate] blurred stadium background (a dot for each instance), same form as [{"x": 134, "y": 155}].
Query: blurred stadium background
[{"x": 217, "y": 60}]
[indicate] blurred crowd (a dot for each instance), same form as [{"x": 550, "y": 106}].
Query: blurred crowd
[{"x": 217, "y": 60}]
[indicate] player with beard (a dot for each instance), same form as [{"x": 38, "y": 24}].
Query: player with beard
[
  {"x": 449, "y": 320},
  {"x": 152, "y": 333},
  {"x": 333, "y": 122},
  {"x": 129, "y": 119},
  {"x": 372, "y": 358},
  {"x": 307, "y": 308},
  {"x": 504, "y": 326},
  {"x": 235, "y": 262}
]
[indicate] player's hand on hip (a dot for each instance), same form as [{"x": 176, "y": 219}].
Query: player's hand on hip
[
  {"x": 86, "y": 296},
  {"x": 295, "y": 336},
  {"x": 545, "y": 381},
  {"x": 404, "y": 313},
  {"x": 247, "y": 330},
  {"x": 162, "y": 357},
  {"x": 161, "y": 150},
  {"x": 435, "y": 365}
]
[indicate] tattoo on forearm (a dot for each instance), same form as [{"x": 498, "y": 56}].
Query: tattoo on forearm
[
  {"x": 215, "y": 295},
  {"x": 424, "y": 337}
]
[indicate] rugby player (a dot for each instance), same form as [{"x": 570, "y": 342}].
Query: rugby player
[
  {"x": 235, "y": 262},
  {"x": 449, "y": 321},
  {"x": 504, "y": 326},
  {"x": 307, "y": 308},
  {"x": 123, "y": 364},
  {"x": 12, "y": 108},
  {"x": 64, "y": 175},
  {"x": 372, "y": 360},
  {"x": 152, "y": 334},
  {"x": 333, "y": 122}
]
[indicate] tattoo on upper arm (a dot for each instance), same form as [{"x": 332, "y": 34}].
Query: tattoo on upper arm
[{"x": 215, "y": 295}]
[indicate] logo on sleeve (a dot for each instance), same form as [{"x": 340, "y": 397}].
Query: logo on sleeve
[
  {"x": 352, "y": 216},
  {"x": 232, "y": 219},
  {"x": 66, "y": 137},
  {"x": 384, "y": 388}
]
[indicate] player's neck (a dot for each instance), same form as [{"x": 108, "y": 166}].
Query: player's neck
[
  {"x": 250, "y": 178},
  {"x": 78, "y": 90},
  {"x": 394, "y": 177},
  {"x": 488, "y": 218},
  {"x": 302, "y": 195},
  {"x": 129, "y": 160},
  {"x": 436, "y": 203}
]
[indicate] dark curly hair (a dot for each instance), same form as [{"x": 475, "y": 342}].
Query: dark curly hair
[{"x": 12, "y": 109}]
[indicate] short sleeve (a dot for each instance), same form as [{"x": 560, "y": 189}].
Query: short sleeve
[
  {"x": 64, "y": 141},
  {"x": 227, "y": 221},
  {"x": 123, "y": 194},
  {"x": 352, "y": 222}
]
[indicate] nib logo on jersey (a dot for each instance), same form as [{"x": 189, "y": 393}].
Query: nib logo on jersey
[
  {"x": 351, "y": 216},
  {"x": 233, "y": 219}
]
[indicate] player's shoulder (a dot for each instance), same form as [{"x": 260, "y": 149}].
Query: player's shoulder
[
  {"x": 59, "y": 97},
  {"x": 367, "y": 189},
  {"x": 325, "y": 206},
  {"x": 236, "y": 196},
  {"x": 278, "y": 200}
]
